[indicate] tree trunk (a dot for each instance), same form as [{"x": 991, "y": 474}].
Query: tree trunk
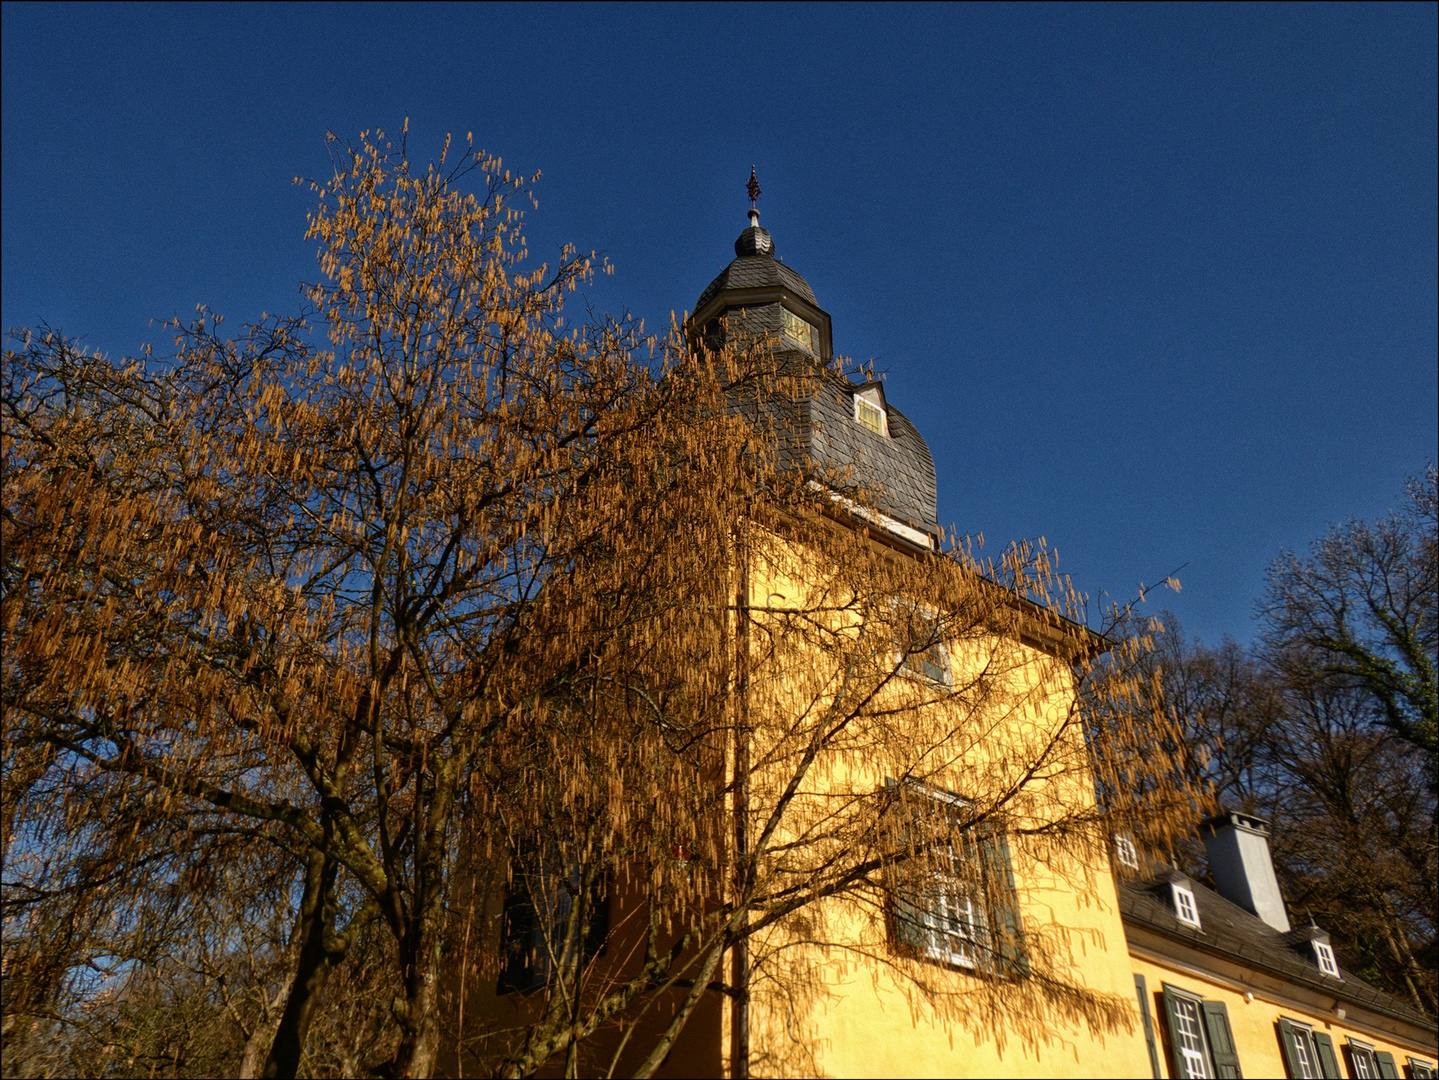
[
  {"x": 687, "y": 1007},
  {"x": 262, "y": 1035},
  {"x": 313, "y": 969},
  {"x": 254, "y": 1054},
  {"x": 419, "y": 1048}
]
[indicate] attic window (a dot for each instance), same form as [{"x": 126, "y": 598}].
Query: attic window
[
  {"x": 869, "y": 415},
  {"x": 1185, "y": 907},
  {"x": 1325, "y": 955},
  {"x": 1125, "y": 851}
]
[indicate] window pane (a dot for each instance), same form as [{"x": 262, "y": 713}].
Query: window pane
[
  {"x": 1128, "y": 855},
  {"x": 923, "y": 653},
  {"x": 869, "y": 416},
  {"x": 947, "y": 902},
  {"x": 1191, "y": 1042},
  {"x": 1303, "y": 1054},
  {"x": 798, "y": 329},
  {"x": 1184, "y": 905}
]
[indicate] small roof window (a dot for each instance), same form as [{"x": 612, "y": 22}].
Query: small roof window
[
  {"x": 1185, "y": 907},
  {"x": 1125, "y": 851},
  {"x": 869, "y": 409},
  {"x": 800, "y": 331},
  {"x": 1324, "y": 954}
]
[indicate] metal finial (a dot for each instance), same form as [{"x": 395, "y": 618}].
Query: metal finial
[{"x": 753, "y": 188}]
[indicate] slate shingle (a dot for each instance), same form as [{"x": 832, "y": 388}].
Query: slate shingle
[
  {"x": 897, "y": 470},
  {"x": 1227, "y": 930},
  {"x": 753, "y": 272},
  {"x": 899, "y": 467}
]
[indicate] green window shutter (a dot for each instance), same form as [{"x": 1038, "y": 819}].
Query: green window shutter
[
  {"x": 1008, "y": 929},
  {"x": 1387, "y": 1068},
  {"x": 1328, "y": 1063},
  {"x": 1286, "y": 1044},
  {"x": 1221, "y": 1041},
  {"x": 1181, "y": 1070},
  {"x": 909, "y": 928},
  {"x": 1142, "y": 989},
  {"x": 910, "y": 931}
]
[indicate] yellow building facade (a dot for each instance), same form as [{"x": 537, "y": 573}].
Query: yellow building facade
[
  {"x": 1228, "y": 988},
  {"x": 981, "y": 922},
  {"x": 1228, "y": 993}
]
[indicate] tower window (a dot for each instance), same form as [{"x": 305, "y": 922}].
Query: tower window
[
  {"x": 801, "y": 332},
  {"x": 954, "y": 897},
  {"x": 1125, "y": 851},
  {"x": 922, "y": 650}
]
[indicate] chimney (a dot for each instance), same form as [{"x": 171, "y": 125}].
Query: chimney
[{"x": 1238, "y": 848}]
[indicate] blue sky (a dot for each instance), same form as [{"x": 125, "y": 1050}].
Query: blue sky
[{"x": 1156, "y": 283}]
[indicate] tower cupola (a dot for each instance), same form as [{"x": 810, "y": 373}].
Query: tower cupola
[
  {"x": 841, "y": 428},
  {"x": 757, "y": 294}
]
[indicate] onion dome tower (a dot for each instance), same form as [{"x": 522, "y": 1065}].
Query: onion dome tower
[
  {"x": 844, "y": 424},
  {"x": 758, "y": 294}
]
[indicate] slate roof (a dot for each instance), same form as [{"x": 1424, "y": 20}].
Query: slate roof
[
  {"x": 897, "y": 470},
  {"x": 754, "y": 272},
  {"x": 1228, "y": 930},
  {"x": 900, "y": 466}
]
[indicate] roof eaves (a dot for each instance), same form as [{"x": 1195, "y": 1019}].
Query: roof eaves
[{"x": 1140, "y": 906}]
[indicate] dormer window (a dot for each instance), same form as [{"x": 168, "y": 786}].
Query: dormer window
[
  {"x": 1185, "y": 908},
  {"x": 870, "y": 416},
  {"x": 1324, "y": 954},
  {"x": 800, "y": 332},
  {"x": 869, "y": 410},
  {"x": 1125, "y": 851}
]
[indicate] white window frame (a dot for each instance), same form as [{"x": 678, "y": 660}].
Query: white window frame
[
  {"x": 1189, "y": 1021},
  {"x": 1305, "y": 1052},
  {"x": 1186, "y": 908},
  {"x": 1125, "y": 853},
  {"x": 932, "y": 665},
  {"x": 955, "y": 923},
  {"x": 1419, "y": 1068},
  {"x": 863, "y": 402},
  {"x": 1361, "y": 1060},
  {"x": 956, "y": 928},
  {"x": 1324, "y": 956}
]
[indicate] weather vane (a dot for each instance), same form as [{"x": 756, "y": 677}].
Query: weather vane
[{"x": 753, "y": 188}]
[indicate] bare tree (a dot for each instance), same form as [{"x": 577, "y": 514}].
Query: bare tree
[
  {"x": 1351, "y": 803},
  {"x": 1363, "y": 610},
  {"x": 469, "y": 639}
]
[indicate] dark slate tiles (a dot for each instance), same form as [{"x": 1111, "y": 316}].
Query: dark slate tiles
[{"x": 1230, "y": 931}]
